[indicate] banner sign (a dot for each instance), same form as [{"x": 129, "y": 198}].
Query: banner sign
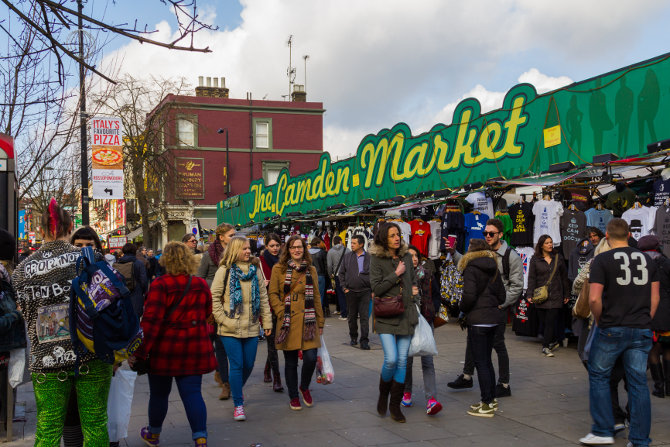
[
  {"x": 22, "y": 224},
  {"x": 107, "y": 158},
  {"x": 117, "y": 241},
  {"x": 190, "y": 182},
  {"x": 619, "y": 112}
]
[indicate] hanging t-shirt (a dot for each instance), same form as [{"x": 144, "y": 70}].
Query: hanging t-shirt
[
  {"x": 547, "y": 218},
  {"x": 481, "y": 203},
  {"x": 452, "y": 223},
  {"x": 640, "y": 221},
  {"x": 619, "y": 202},
  {"x": 405, "y": 231},
  {"x": 522, "y": 224},
  {"x": 420, "y": 235},
  {"x": 525, "y": 253},
  {"x": 662, "y": 228},
  {"x": 598, "y": 218},
  {"x": 580, "y": 197},
  {"x": 573, "y": 230},
  {"x": 507, "y": 226},
  {"x": 474, "y": 227},
  {"x": 661, "y": 191},
  {"x": 435, "y": 238}
]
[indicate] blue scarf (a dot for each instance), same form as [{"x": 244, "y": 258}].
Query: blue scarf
[{"x": 236, "y": 276}]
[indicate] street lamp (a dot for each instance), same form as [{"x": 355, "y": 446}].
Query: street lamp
[{"x": 227, "y": 173}]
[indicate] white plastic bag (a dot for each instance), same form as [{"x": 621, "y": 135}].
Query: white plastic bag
[
  {"x": 119, "y": 403},
  {"x": 325, "y": 374},
  {"x": 423, "y": 342},
  {"x": 17, "y": 363}
]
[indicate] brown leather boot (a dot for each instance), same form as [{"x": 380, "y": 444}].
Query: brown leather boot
[
  {"x": 276, "y": 384},
  {"x": 217, "y": 378},
  {"x": 225, "y": 391},
  {"x": 267, "y": 376},
  {"x": 383, "y": 401},
  {"x": 397, "y": 389}
]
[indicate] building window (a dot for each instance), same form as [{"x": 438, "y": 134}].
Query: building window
[
  {"x": 272, "y": 169},
  {"x": 185, "y": 132},
  {"x": 263, "y": 133}
]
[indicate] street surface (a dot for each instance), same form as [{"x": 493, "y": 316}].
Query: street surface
[{"x": 548, "y": 406}]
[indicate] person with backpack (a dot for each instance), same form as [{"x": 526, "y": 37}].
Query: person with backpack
[
  {"x": 42, "y": 283},
  {"x": 334, "y": 260},
  {"x": 176, "y": 343},
  {"x": 135, "y": 273},
  {"x": 511, "y": 268}
]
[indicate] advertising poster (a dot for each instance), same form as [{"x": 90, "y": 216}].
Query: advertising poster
[{"x": 107, "y": 158}]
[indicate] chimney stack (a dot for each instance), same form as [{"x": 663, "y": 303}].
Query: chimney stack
[
  {"x": 299, "y": 94},
  {"x": 211, "y": 90}
]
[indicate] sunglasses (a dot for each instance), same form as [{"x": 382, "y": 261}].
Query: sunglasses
[{"x": 490, "y": 233}]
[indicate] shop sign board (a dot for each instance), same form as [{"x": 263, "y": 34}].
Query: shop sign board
[
  {"x": 117, "y": 241},
  {"x": 107, "y": 158},
  {"x": 619, "y": 112},
  {"x": 190, "y": 184}
]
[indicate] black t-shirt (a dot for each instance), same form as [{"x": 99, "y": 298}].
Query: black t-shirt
[
  {"x": 452, "y": 223},
  {"x": 522, "y": 224},
  {"x": 661, "y": 191},
  {"x": 626, "y": 274}
]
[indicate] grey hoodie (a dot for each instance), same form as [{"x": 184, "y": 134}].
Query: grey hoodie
[{"x": 334, "y": 255}]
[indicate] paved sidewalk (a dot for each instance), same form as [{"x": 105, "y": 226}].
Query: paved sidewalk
[{"x": 548, "y": 406}]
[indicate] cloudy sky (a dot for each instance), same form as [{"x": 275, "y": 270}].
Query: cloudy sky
[{"x": 374, "y": 63}]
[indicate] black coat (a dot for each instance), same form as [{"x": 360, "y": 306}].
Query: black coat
[
  {"x": 12, "y": 326},
  {"x": 483, "y": 288},
  {"x": 661, "y": 321},
  {"x": 538, "y": 275}
]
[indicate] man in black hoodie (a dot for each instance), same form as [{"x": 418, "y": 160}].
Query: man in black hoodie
[
  {"x": 355, "y": 279},
  {"x": 136, "y": 276}
]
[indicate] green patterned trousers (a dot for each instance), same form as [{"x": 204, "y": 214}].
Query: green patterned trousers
[{"x": 52, "y": 393}]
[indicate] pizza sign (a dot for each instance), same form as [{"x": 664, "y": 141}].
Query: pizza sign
[{"x": 107, "y": 158}]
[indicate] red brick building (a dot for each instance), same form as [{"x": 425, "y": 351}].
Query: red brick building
[{"x": 263, "y": 138}]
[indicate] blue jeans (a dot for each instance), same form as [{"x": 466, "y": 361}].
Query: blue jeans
[
  {"x": 241, "y": 356},
  {"x": 608, "y": 345},
  {"x": 395, "y": 349},
  {"x": 191, "y": 396},
  {"x": 341, "y": 298},
  {"x": 322, "y": 292}
]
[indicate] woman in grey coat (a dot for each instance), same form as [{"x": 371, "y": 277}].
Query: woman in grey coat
[{"x": 392, "y": 274}]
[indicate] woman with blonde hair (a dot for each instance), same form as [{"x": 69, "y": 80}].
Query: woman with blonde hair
[
  {"x": 176, "y": 342},
  {"x": 239, "y": 298},
  {"x": 209, "y": 264},
  {"x": 297, "y": 304}
]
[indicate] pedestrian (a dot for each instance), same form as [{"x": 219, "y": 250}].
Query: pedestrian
[
  {"x": 392, "y": 275},
  {"x": 136, "y": 276},
  {"x": 239, "y": 299},
  {"x": 54, "y": 366},
  {"x": 176, "y": 342},
  {"x": 623, "y": 297},
  {"x": 153, "y": 265},
  {"x": 297, "y": 304},
  {"x": 270, "y": 257},
  {"x": 548, "y": 269},
  {"x": 141, "y": 255},
  {"x": 209, "y": 264},
  {"x": 659, "y": 356},
  {"x": 511, "y": 268},
  {"x": 192, "y": 243},
  {"x": 427, "y": 307},
  {"x": 320, "y": 263},
  {"x": 354, "y": 277},
  {"x": 334, "y": 259}
]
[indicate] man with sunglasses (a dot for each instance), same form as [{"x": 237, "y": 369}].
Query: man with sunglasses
[{"x": 511, "y": 270}]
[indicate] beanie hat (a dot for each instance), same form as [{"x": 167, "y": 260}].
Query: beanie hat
[
  {"x": 7, "y": 245},
  {"x": 648, "y": 243}
]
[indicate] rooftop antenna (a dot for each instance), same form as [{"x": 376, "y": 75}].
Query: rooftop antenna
[
  {"x": 305, "y": 57},
  {"x": 290, "y": 72}
]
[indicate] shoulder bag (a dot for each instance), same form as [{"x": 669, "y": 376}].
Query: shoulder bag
[{"x": 541, "y": 294}]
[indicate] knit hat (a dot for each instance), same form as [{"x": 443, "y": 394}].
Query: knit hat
[
  {"x": 648, "y": 243},
  {"x": 7, "y": 245}
]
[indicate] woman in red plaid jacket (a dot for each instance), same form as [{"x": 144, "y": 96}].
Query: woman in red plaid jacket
[{"x": 178, "y": 346}]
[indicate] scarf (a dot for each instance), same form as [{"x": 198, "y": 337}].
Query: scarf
[
  {"x": 310, "y": 314},
  {"x": 236, "y": 276},
  {"x": 215, "y": 251},
  {"x": 270, "y": 259}
]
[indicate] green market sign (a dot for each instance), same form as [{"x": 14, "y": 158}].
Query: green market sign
[{"x": 619, "y": 112}]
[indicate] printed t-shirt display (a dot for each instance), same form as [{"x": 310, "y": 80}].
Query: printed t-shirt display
[
  {"x": 640, "y": 220},
  {"x": 507, "y": 226},
  {"x": 661, "y": 191},
  {"x": 620, "y": 201},
  {"x": 525, "y": 253},
  {"x": 480, "y": 202},
  {"x": 547, "y": 216},
  {"x": 405, "y": 230},
  {"x": 662, "y": 228},
  {"x": 598, "y": 218},
  {"x": 452, "y": 223},
  {"x": 626, "y": 274},
  {"x": 579, "y": 256},
  {"x": 435, "y": 238},
  {"x": 522, "y": 224},
  {"x": 573, "y": 229},
  {"x": 420, "y": 235},
  {"x": 474, "y": 227}
]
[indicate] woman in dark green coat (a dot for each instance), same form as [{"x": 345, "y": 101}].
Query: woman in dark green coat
[{"x": 392, "y": 274}]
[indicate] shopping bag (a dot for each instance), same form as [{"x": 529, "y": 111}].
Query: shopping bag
[
  {"x": 441, "y": 317},
  {"x": 17, "y": 363},
  {"x": 423, "y": 342},
  {"x": 119, "y": 403},
  {"x": 325, "y": 374}
]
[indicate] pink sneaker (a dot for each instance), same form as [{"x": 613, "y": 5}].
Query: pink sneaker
[
  {"x": 433, "y": 407},
  {"x": 406, "y": 400},
  {"x": 238, "y": 414},
  {"x": 150, "y": 439},
  {"x": 306, "y": 397}
]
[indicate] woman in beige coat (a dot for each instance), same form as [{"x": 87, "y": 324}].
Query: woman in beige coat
[
  {"x": 239, "y": 298},
  {"x": 297, "y": 304}
]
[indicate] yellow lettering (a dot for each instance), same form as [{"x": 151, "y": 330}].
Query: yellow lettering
[
  {"x": 281, "y": 186},
  {"x": 414, "y": 163},
  {"x": 342, "y": 180},
  {"x": 375, "y": 157},
  {"x": 463, "y": 148},
  {"x": 396, "y": 146},
  {"x": 517, "y": 119},
  {"x": 487, "y": 143},
  {"x": 330, "y": 182},
  {"x": 256, "y": 190},
  {"x": 441, "y": 147}
]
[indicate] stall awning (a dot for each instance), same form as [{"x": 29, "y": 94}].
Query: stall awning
[{"x": 134, "y": 234}]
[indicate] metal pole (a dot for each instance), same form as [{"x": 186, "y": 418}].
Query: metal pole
[
  {"x": 227, "y": 167},
  {"x": 82, "y": 121}
]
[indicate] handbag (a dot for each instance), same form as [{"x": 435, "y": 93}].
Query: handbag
[
  {"x": 143, "y": 366},
  {"x": 389, "y": 306},
  {"x": 541, "y": 294}
]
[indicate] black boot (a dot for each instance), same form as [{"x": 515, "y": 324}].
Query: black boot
[
  {"x": 666, "y": 372},
  {"x": 657, "y": 377},
  {"x": 397, "y": 389},
  {"x": 383, "y": 401},
  {"x": 276, "y": 384},
  {"x": 267, "y": 377}
]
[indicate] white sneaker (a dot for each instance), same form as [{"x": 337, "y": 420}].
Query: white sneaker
[{"x": 592, "y": 439}]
